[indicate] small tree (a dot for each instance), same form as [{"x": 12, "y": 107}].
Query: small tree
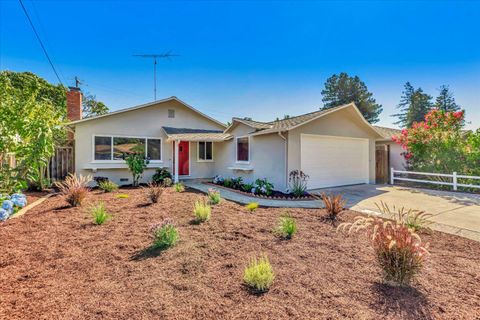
[
  {"x": 445, "y": 100},
  {"x": 414, "y": 105},
  {"x": 137, "y": 162}
]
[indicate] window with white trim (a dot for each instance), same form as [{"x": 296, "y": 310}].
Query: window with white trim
[
  {"x": 108, "y": 148},
  {"x": 243, "y": 149},
  {"x": 205, "y": 151}
]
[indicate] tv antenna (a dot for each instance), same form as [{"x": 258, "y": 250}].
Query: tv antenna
[{"x": 167, "y": 55}]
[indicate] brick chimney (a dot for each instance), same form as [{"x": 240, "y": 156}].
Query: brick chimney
[{"x": 74, "y": 104}]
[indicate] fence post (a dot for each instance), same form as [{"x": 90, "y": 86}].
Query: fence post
[
  {"x": 454, "y": 181},
  {"x": 392, "y": 172}
]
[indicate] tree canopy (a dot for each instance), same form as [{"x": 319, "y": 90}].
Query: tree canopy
[
  {"x": 445, "y": 100},
  {"x": 414, "y": 105},
  {"x": 91, "y": 107},
  {"x": 343, "y": 89}
]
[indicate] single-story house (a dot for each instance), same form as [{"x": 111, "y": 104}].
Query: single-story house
[{"x": 334, "y": 147}]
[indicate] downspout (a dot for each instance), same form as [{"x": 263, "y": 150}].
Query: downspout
[{"x": 286, "y": 158}]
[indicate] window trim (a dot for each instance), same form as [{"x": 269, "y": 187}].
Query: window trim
[
  {"x": 236, "y": 150},
  {"x": 124, "y": 136},
  {"x": 198, "y": 152}
]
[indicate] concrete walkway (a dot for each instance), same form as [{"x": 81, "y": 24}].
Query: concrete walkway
[
  {"x": 453, "y": 212},
  {"x": 244, "y": 199}
]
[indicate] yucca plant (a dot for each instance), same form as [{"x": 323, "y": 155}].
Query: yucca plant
[
  {"x": 334, "y": 204},
  {"x": 202, "y": 210},
  {"x": 287, "y": 226},
  {"x": 165, "y": 234},
  {"x": 413, "y": 219},
  {"x": 108, "y": 186},
  {"x": 153, "y": 192},
  {"x": 100, "y": 214},
  {"x": 252, "y": 206},
  {"x": 259, "y": 274},
  {"x": 179, "y": 187},
  {"x": 398, "y": 249},
  {"x": 74, "y": 188},
  {"x": 214, "y": 196}
]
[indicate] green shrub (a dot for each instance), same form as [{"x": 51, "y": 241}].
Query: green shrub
[
  {"x": 202, "y": 210},
  {"x": 287, "y": 227},
  {"x": 74, "y": 188},
  {"x": 122, "y": 196},
  {"x": 165, "y": 234},
  {"x": 252, "y": 206},
  {"x": 100, "y": 214},
  {"x": 259, "y": 274},
  {"x": 137, "y": 163},
  {"x": 262, "y": 186},
  {"x": 179, "y": 187},
  {"x": 228, "y": 183},
  {"x": 108, "y": 186},
  {"x": 160, "y": 175},
  {"x": 214, "y": 196},
  {"x": 247, "y": 187},
  {"x": 237, "y": 183},
  {"x": 167, "y": 182}
]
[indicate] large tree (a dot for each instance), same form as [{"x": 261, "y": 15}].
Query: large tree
[
  {"x": 445, "y": 100},
  {"x": 91, "y": 107},
  {"x": 342, "y": 89},
  {"x": 414, "y": 105}
]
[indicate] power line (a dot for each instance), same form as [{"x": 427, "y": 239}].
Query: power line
[{"x": 40, "y": 41}]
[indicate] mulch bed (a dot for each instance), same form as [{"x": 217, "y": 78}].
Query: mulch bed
[
  {"x": 33, "y": 196},
  {"x": 276, "y": 195},
  {"x": 55, "y": 264}
]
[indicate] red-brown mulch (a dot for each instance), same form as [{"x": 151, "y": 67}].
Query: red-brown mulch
[
  {"x": 55, "y": 264},
  {"x": 33, "y": 196}
]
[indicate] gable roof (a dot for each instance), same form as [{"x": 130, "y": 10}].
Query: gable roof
[
  {"x": 188, "y": 134},
  {"x": 172, "y": 98}
]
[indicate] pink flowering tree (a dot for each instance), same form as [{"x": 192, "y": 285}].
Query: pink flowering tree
[{"x": 438, "y": 144}]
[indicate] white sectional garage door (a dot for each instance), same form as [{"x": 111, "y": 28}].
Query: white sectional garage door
[{"x": 334, "y": 161}]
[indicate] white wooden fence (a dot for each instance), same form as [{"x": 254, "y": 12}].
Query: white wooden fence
[{"x": 454, "y": 178}]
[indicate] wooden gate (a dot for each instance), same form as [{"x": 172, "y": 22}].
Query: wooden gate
[
  {"x": 61, "y": 164},
  {"x": 381, "y": 163}
]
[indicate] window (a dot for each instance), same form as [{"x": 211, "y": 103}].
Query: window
[
  {"x": 205, "y": 151},
  {"x": 243, "y": 152},
  {"x": 103, "y": 148},
  {"x": 171, "y": 113},
  {"x": 115, "y": 148}
]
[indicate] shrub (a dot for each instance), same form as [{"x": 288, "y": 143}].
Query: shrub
[
  {"x": 247, "y": 187},
  {"x": 122, "y": 196},
  {"x": 287, "y": 227},
  {"x": 334, "y": 204},
  {"x": 100, "y": 214},
  {"x": 179, "y": 187},
  {"x": 202, "y": 210},
  {"x": 262, "y": 186},
  {"x": 108, "y": 186},
  {"x": 413, "y": 219},
  {"x": 228, "y": 183},
  {"x": 218, "y": 180},
  {"x": 298, "y": 182},
  {"x": 160, "y": 175},
  {"x": 252, "y": 206},
  {"x": 167, "y": 182},
  {"x": 74, "y": 188},
  {"x": 214, "y": 196},
  {"x": 137, "y": 163},
  {"x": 259, "y": 274},
  {"x": 153, "y": 192},
  {"x": 237, "y": 183},
  {"x": 165, "y": 234},
  {"x": 100, "y": 179},
  {"x": 398, "y": 249}
]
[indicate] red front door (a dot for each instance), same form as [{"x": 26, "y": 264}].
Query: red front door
[{"x": 183, "y": 158}]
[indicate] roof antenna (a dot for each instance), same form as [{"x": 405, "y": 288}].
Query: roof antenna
[{"x": 166, "y": 55}]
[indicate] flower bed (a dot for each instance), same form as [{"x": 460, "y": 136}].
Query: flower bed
[
  {"x": 261, "y": 188},
  {"x": 9, "y": 205}
]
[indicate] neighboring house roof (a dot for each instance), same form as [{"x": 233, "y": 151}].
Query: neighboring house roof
[
  {"x": 187, "y": 134},
  {"x": 173, "y": 98},
  {"x": 387, "y": 133}
]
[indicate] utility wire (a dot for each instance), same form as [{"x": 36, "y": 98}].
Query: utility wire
[{"x": 40, "y": 41}]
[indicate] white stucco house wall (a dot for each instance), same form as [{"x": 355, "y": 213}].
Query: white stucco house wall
[{"x": 334, "y": 147}]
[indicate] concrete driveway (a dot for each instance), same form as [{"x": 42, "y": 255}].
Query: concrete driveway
[{"x": 453, "y": 212}]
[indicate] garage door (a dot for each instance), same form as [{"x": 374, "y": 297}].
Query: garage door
[{"x": 334, "y": 161}]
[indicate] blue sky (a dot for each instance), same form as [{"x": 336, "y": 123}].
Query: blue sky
[{"x": 260, "y": 59}]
